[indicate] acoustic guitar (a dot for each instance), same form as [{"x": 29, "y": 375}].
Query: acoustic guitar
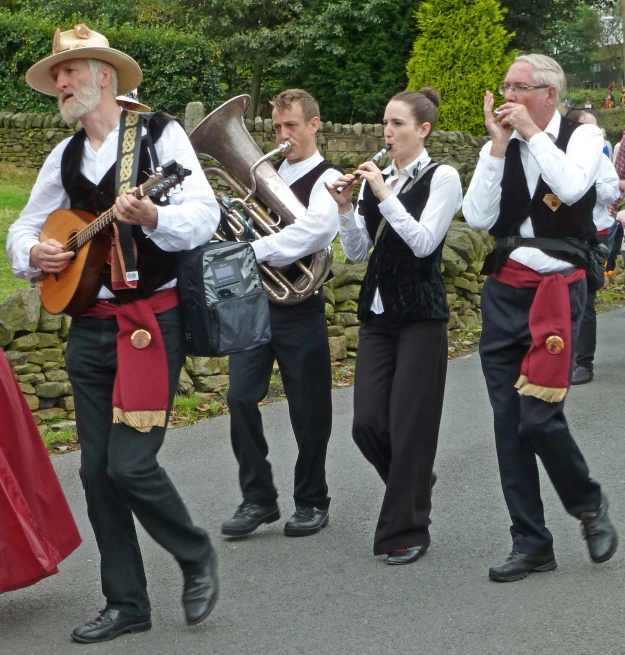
[{"x": 89, "y": 237}]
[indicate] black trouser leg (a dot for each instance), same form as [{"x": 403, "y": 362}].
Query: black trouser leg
[
  {"x": 300, "y": 341},
  {"x": 587, "y": 342},
  {"x": 526, "y": 426},
  {"x": 119, "y": 469},
  {"x": 398, "y": 399},
  {"x": 250, "y": 374}
]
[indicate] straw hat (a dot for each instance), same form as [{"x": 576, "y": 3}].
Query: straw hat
[
  {"x": 131, "y": 102},
  {"x": 83, "y": 43}
]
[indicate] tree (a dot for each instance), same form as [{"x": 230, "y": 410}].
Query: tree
[
  {"x": 353, "y": 58},
  {"x": 532, "y": 22},
  {"x": 462, "y": 52},
  {"x": 573, "y": 43}
]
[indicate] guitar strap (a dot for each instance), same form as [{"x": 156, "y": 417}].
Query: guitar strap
[{"x": 124, "y": 274}]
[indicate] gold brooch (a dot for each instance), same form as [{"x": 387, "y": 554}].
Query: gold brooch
[
  {"x": 140, "y": 339},
  {"x": 554, "y": 344},
  {"x": 552, "y": 201}
]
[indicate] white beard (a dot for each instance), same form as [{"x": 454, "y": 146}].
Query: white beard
[{"x": 83, "y": 102}]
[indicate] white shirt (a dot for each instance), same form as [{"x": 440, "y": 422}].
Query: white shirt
[
  {"x": 569, "y": 174},
  {"x": 607, "y": 193},
  {"x": 311, "y": 232},
  {"x": 422, "y": 236},
  {"x": 189, "y": 221}
]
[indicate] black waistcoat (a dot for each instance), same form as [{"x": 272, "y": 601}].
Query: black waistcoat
[
  {"x": 412, "y": 288},
  {"x": 517, "y": 204},
  {"x": 302, "y": 188},
  {"x": 155, "y": 266}
]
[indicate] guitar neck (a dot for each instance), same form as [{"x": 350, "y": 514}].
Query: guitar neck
[{"x": 87, "y": 233}]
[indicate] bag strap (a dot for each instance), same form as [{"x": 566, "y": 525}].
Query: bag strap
[{"x": 405, "y": 189}]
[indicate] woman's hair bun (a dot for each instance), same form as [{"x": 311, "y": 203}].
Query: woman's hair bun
[{"x": 432, "y": 95}]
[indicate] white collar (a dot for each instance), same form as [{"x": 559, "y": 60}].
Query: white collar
[
  {"x": 412, "y": 169},
  {"x": 315, "y": 159}
]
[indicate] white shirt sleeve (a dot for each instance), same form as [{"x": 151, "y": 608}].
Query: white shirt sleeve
[
  {"x": 445, "y": 199},
  {"x": 354, "y": 236},
  {"x": 311, "y": 232},
  {"x": 570, "y": 174},
  {"x": 481, "y": 203},
  {"x": 192, "y": 217},
  {"x": 607, "y": 183},
  {"x": 47, "y": 196}
]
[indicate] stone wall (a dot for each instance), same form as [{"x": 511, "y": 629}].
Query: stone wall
[{"x": 26, "y": 140}]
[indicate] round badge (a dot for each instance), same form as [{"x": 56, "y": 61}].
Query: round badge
[
  {"x": 554, "y": 344},
  {"x": 140, "y": 339}
]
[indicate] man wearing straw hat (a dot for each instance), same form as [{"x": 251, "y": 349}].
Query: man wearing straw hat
[{"x": 123, "y": 391}]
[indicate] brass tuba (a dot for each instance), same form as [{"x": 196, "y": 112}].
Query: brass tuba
[{"x": 256, "y": 188}]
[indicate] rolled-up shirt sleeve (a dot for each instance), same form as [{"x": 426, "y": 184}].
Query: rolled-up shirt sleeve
[
  {"x": 311, "y": 232},
  {"x": 481, "y": 203},
  {"x": 569, "y": 174},
  {"x": 192, "y": 216}
]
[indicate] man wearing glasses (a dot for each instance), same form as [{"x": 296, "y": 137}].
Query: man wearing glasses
[{"x": 534, "y": 187}]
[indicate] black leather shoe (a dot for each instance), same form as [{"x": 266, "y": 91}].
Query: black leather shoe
[
  {"x": 201, "y": 588},
  {"x": 305, "y": 521},
  {"x": 582, "y": 375},
  {"x": 110, "y": 624},
  {"x": 600, "y": 534},
  {"x": 433, "y": 479},
  {"x": 248, "y": 517},
  {"x": 406, "y": 555},
  {"x": 518, "y": 565}
]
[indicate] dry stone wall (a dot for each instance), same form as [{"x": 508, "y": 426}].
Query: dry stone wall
[{"x": 35, "y": 341}]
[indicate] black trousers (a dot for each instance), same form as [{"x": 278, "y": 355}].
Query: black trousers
[
  {"x": 526, "y": 426},
  {"x": 299, "y": 343},
  {"x": 119, "y": 470},
  {"x": 398, "y": 401},
  {"x": 587, "y": 342}
]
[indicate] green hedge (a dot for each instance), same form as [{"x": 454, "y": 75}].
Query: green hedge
[{"x": 177, "y": 67}]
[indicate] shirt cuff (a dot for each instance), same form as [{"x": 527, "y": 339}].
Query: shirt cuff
[
  {"x": 347, "y": 220},
  {"x": 391, "y": 208},
  {"x": 261, "y": 250},
  {"x": 493, "y": 167}
]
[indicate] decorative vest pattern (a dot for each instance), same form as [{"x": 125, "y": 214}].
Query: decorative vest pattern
[
  {"x": 302, "y": 188},
  {"x": 517, "y": 204},
  {"x": 155, "y": 266},
  {"x": 412, "y": 288}
]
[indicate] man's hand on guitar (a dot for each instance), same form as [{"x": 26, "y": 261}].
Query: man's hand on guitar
[
  {"x": 50, "y": 256},
  {"x": 135, "y": 211}
]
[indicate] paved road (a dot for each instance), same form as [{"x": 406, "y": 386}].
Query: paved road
[{"x": 327, "y": 594}]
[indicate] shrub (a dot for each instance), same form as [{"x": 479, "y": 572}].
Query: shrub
[
  {"x": 461, "y": 52},
  {"x": 177, "y": 67}
]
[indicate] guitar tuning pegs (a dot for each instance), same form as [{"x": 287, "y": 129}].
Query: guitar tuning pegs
[{"x": 159, "y": 169}]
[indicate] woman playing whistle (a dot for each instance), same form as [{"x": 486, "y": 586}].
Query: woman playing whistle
[{"x": 404, "y": 212}]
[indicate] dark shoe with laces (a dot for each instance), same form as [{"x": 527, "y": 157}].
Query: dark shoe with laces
[
  {"x": 201, "y": 589},
  {"x": 582, "y": 375},
  {"x": 306, "y": 521},
  {"x": 518, "y": 565},
  {"x": 599, "y": 532},
  {"x": 248, "y": 517},
  {"x": 110, "y": 624},
  {"x": 406, "y": 555}
]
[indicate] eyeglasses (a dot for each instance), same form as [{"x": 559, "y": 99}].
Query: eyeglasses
[{"x": 519, "y": 88}]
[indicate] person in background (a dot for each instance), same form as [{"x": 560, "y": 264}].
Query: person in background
[{"x": 607, "y": 188}]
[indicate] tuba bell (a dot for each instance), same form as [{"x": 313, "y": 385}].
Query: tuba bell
[{"x": 259, "y": 202}]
